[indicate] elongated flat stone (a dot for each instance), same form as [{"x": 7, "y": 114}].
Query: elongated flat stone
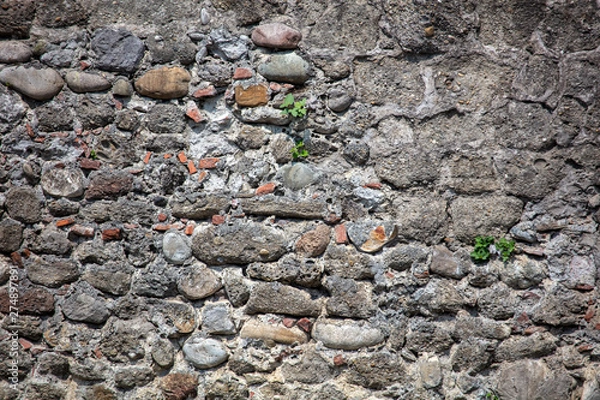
[
  {"x": 260, "y": 330},
  {"x": 277, "y": 36},
  {"x": 39, "y": 84},
  {"x": 287, "y": 67},
  {"x": 346, "y": 335},
  {"x": 81, "y": 82},
  {"x": 284, "y": 207},
  {"x": 164, "y": 83}
]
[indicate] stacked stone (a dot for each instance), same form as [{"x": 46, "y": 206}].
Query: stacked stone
[{"x": 170, "y": 246}]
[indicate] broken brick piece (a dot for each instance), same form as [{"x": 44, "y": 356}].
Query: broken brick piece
[
  {"x": 111, "y": 234},
  {"x": 147, "y": 157},
  {"x": 182, "y": 157},
  {"x": 305, "y": 324},
  {"x": 242, "y": 73},
  {"x": 205, "y": 92},
  {"x": 341, "y": 235},
  {"x": 208, "y": 163},
  {"x": 217, "y": 219},
  {"x": 265, "y": 189},
  {"x": 64, "y": 222},
  {"x": 191, "y": 167}
]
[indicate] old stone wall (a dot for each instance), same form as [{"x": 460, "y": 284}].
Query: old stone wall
[{"x": 172, "y": 228}]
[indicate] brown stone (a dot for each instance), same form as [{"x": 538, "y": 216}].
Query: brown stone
[
  {"x": 261, "y": 330},
  {"x": 208, "y": 163},
  {"x": 109, "y": 184},
  {"x": 253, "y": 96},
  {"x": 164, "y": 83},
  {"x": 178, "y": 386},
  {"x": 341, "y": 235},
  {"x": 276, "y": 35},
  {"x": 32, "y": 300},
  {"x": 265, "y": 189},
  {"x": 242, "y": 73},
  {"x": 315, "y": 242},
  {"x": 111, "y": 234}
]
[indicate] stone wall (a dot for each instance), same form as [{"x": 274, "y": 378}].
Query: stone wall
[{"x": 166, "y": 244}]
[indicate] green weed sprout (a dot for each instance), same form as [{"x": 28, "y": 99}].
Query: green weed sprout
[
  {"x": 299, "y": 151},
  {"x": 292, "y": 107},
  {"x": 481, "y": 253}
]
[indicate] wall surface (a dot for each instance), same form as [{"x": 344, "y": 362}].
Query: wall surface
[{"x": 167, "y": 232}]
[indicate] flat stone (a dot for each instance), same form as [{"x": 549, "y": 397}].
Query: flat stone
[
  {"x": 284, "y": 207},
  {"x": 531, "y": 379},
  {"x": 430, "y": 372},
  {"x": 264, "y": 115},
  {"x": 561, "y": 307},
  {"x": 298, "y": 176},
  {"x": 539, "y": 344},
  {"x": 117, "y": 50},
  {"x": 285, "y": 67},
  {"x": 438, "y": 297},
  {"x": 523, "y": 272},
  {"x": 85, "y": 304},
  {"x": 63, "y": 182},
  {"x": 201, "y": 208},
  {"x": 176, "y": 247},
  {"x": 82, "y": 82},
  {"x": 444, "y": 263},
  {"x": 13, "y": 52},
  {"x": 16, "y": 18},
  {"x": 312, "y": 368},
  {"x": 11, "y": 235},
  {"x": 282, "y": 299},
  {"x": 256, "y": 329},
  {"x": 130, "y": 377},
  {"x": 39, "y": 84},
  {"x": 52, "y": 272},
  {"x": 349, "y": 298},
  {"x": 290, "y": 268},
  {"x": 472, "y": 355},
  {"x": 276, "y": 35},
  {"x": 467, "y": 326},
  {"x": 240, "y": 243},
  {"x": 216, "y": 319},
  {"x": 164, "y": 83},
  {"x": 252, "y": 96},
  {"x": 204, "y": 353},
  {"x": 109, "y": 184},
  {"x": 346, "y": 334},
  {"x": 110, "y": 277},
  {"x": 315, "y": 242},
  {"x": 198, "y": 282},
  {"x": 24, "y": 205}
]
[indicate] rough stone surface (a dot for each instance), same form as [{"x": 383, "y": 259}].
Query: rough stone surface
[
  {"x": 315, "y": 242},
  {"x": 24, "y": 204},
  {"x": 52, "y": 273},
  {"x": 276, "y": 35},
  {"x": 198, "y": 282},
  {"x": 275, "y": 297},
  {"x": 85, "y": 304},
  {"x": 204, "y": 353},
  {"x": 63, "y": 182},
  {"x": 347, "y": 335},
  {"x": 11, "y": 235},
  {"x": 164, "y": 83},
  {"x": 117, "y": 50}
]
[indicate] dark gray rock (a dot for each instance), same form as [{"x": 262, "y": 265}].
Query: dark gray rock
[
  {"x": 240, "y": 243},
  {"x": 289, "y": 269},
  {"x": 165, "y": 118},
  {"x": 163, "y": 353},
  {"x": 27, "y": 326},
  {"x": 349, "y": 298},
  {"x": 312, "y": 368},
  {"x": 98, "y": 252},
  {"x": 85, "y": 304},
  {"x": 53, "y": 364},
  {"x": 377, "y": 370},
  {"x": 425, "y": 336},
  {"x": 523, "y": 272},
  {"x": 113, "y": 278},
  {"x": 130, "y": 377},
  {"x": 339, "y": 100},
  {"x": 122, "y": 210},
  {"x": 347, "y": 262},
  {"x": 216, "y": 319},
  {"x": 217, "y": 72},
  {"x": 467, "y": 326},
  {"x": 95, "y": 112},
  {"x": 117, "y": 50},
  {"x": 532, "y": 379},
  {"x": 63, "y": 207},
  {"x": 228, "y": 46},
  {"x": 24, "y": 205},
  {"x": 52, "y": 241},
  {"x": 169, "y": 49},
  {"x": 16, "y": 18},
  {"x": 236, "y": 287},
  {"x": 158, "y": 280},
  {"x": 89, "y": 369},
  {"x": 58, "y": 58},
  {"x": 11, "y": 235},
  {"x": 438, "y": 297},
  {"x": 472, "y": 355},
  {"x": 281, "y": 299},
  {"x": 447, "y": 264},
  {"x": 356, "y": 153},
  {"x": 12, "y": 109},
  {"x": 497, "y": 302},
  {"x": 561, "y": 307},
  {"x": 539, "y": 344},
  {"x": 123, "y": 341},
  {"x": 403, "y": 257},
  {"x": 52, "y": 272},
  {"x": 490, "y": 215}
]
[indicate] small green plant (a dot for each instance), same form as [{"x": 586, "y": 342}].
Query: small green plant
[
  {"x": 485, "y": 246},
  {"x": 93, "y": 154},
  {"x": 299, "y": 151},
  {"x": 505, "y": 247},
  {"x": 491, "y": 396},
  {"x": 292, "y": 107},
  {"x": 481, "y": 253}
]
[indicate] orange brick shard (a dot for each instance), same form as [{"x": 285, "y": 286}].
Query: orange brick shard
[
  {"x": 208, "y": 163},
  {"x": 265, "y": 189}
]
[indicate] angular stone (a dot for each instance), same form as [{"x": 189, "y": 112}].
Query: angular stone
[
  {"x": 165, "y": 118},
  {"x": 531, "y": 379},
  {"x": 173, "y": 318},
  {"x": 27, "y": 326},
  {"x": 252, "y": 96},
  {"x": 467, "y": 326},
  {"x": 12, "y": 109},
  {"x": 123, "y": 340},
  {"x": 117, "y": 50},
  {"x": 497, "y": 301},
  {"x": 13, "y": 52},
  {"x": 276, "y": 35},
  {"x": 130, "y": 377},
  {"x": 122, "y": 87},
  {"x": 216, "y": 319},
  {"x": 84, "y": 304},
  {"x": 581, "y": 272},
  {"x": 63, "y": 182},
  {"x": 202, "y": 208},
  {"x": 39, "y": 84},
  {"x": 109, "y": 184},
  {"x": 281, "y": 299},
  {"x": 377, "y": 370},
  {"x": 54, "y": 364},
  {"x": 410, "y": 166},
  {"x": 240, "y": 243},
  {"x": 312, "y": 368},
  {"x": 32, "y": 301},
  {"x": 16, "y": 17},
  {"x": 89, "y": 370},
  {"x": 445, "y": 264},
  {"x": 523, "y": 272},
  {"x": 314, "y": 243},
  {"x": 438, "y": 297},
  {"x": 539, "y": 344},
  {"x": 164, "y": 83},
  {"x": 289, "y": 269},
  {"x": 179, "y": 386},
  {"x": 472, "y": 355},
  {"x": 403, "y": 257},
  {"x": 263, "y": 115},
  {"x": 426, "y": 336},
  {"x": 347, "y": 262},
  {"x": 236, "y": 287},
  {"x": 561, "y": 307},
  {"x": 82, "y": 82},
  {"x": 176, "y": 247},
  {"x": 256, "y": 329},
  {"x": 52, "y": 272},
  {"x": 11, "y": 235},
  {"x": 285, "y": 67},
  {"x": 349, "y": 298},
  {"x": 24, "y": 205},
  {"x": 158, "y": 280},
  {"x": 284, "y": 207},
  {"x": 110, "y": 277},
  {"x": 198, "y": 282},
  {"x": 346, "y": 334},
  {"x": 204, "y": 353},
  {"x": 371, "y": 236},
  {"x": 490, "y": 215}
]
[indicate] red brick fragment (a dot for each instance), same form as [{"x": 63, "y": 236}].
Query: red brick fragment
[
  {"x": 589, "y": 314},
  {"x": 182, "y": 157},
  {"x": 217, "y": 219},
  {"x": 30, "y": 131},
  {"x": 191, "y": 167},
  {"x": 373, "y": 185},
  {"x": 534, "y": 329},
  {"x": 338, "y": 360},
  {"x": 64, "y": 222},
  {"x": 162, "y": 217},
  {"x": 167, "y": 156},
  {"x": 84, "y": 231},
  {"x": 288, "y": 322},
  {"x": 189, "y": 229},
  {"x": 265, "y": 189},
  {"x": 205, "y": 92},
  {"x": 16, "y": 259},
  {"x": 341, "y": 235},
  {"x": 83, "y": 65},
  {"x": 111, "y": 234},
  {"x": 585, "y": 347},
  {"x": 202, "y": 175},
  {"x": 584, "y": 288},
  {"x": 86, "y": 163},
  {"x": 147, "y": 157},
  {"x": 194, "y": 113},
  {"x": 26, "y": 344},
  {"x": 242, "y": 73},
  {"x": 305, "y": 324},
  {"x": 208, "y": 163}
]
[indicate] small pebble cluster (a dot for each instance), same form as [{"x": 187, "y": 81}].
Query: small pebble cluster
[{"x": 166, "y": 243}]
